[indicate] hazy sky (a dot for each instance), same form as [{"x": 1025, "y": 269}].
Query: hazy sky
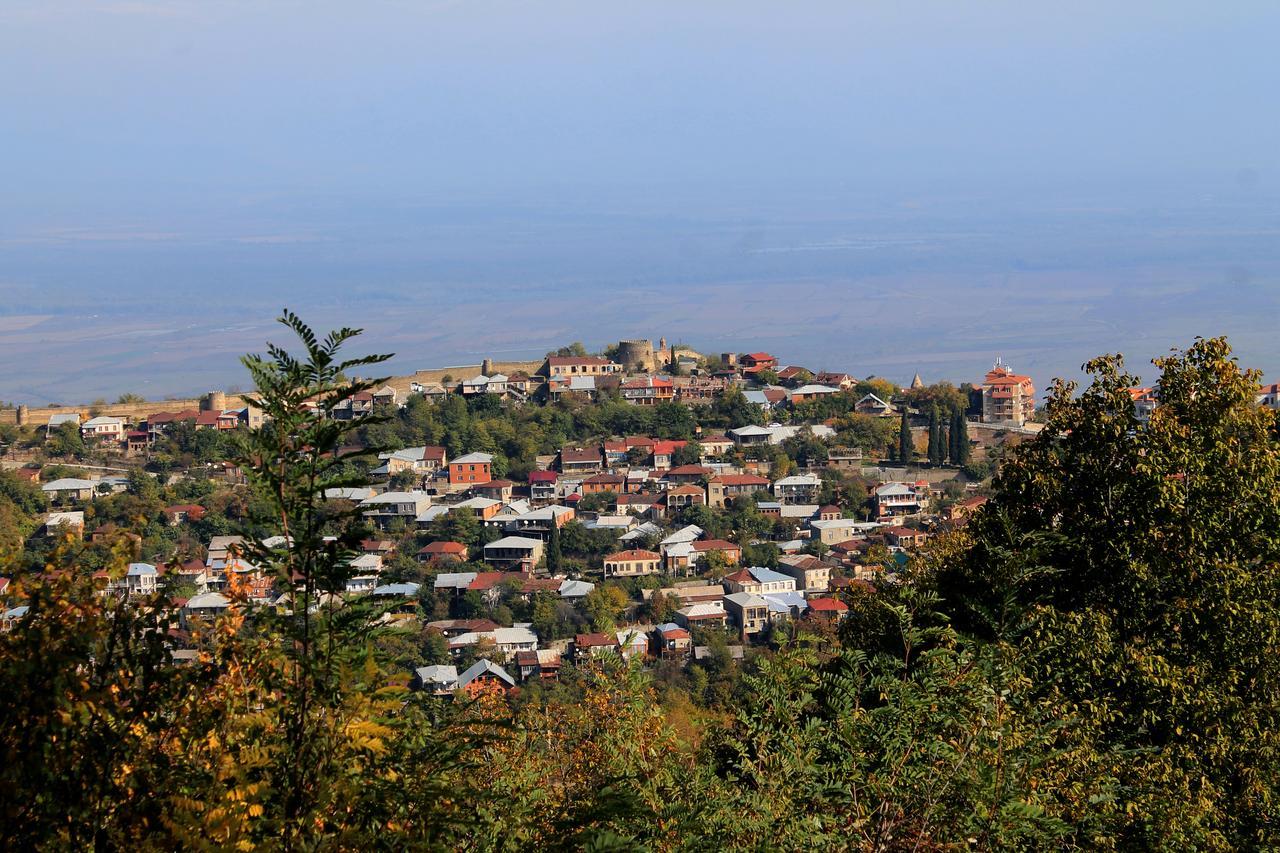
[
  {"x": 109, "y": 102},
  {"x": 294, "y": 150}
]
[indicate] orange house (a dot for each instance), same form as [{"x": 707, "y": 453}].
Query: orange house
[{"x": 470, "y": 469}]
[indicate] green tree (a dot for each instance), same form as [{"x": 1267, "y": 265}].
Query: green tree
[
  {"x": 690, "y": 454},
  {"x": 1144, "y": 565},
  {"x": 555, "y": 560},
  {"x": 906, "y": 447},
  {"x": 959, "y": 440},
  {"x": 65, "y": 440},
  {"x": 937, "y": 454},
  {"x": 292, "y": 462}
]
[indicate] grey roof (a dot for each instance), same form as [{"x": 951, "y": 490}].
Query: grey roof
[
  {"x": 646, "y": 529},
  {"x": 137, "y": 569},
  {"x": 481, "y": 667},
  {"x": 68, "y": 484},
  {"x": 816, "y": 389},
  {"x": 438, "y": 674},
  {"x": 473, "y": 459},
  {"x": 575, "y": 589},
  {"x": 348, "y": 494},
  {"x": 397, "y": 589},
  {"x": 684, "y": 534},
  {"x": 102, "y": 420},
  {"x": 17, "y": 612},
  {"x": 764, "y": 575},
  {"x": 746, "y": 599},
  {"x": 786, "y": 601},
  {"x": 454, "y": 580},
  {"x": 207, "y": 600},
  {"x": 799, "y": 480},
  {"x": 514, "y": 542},
  {"x": 64, "y": 418}
]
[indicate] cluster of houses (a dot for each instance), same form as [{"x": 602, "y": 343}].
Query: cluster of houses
[
  {"x": 749, "y": 600},
  {"x": 139, "y": 434}
]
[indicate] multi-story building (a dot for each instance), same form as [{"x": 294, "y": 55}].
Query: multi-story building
[
  {"x": 1007, "y": 397},
  {"x": 471, "y": 469},
  {"x": 648, "y": 390},
  {"x": 723, "y": 488},
  {"x": 559, "y": 367}
]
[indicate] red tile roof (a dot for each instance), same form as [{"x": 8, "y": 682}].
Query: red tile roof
[
  {"x": 632, "y": 554},
  {"x": 740, "y": 480},
  {"x": 714, "y": 545},
  {"x": 487, "y": 580},
  {"x": 444, "y": 547},
  {"x": 689, "y": 470},
  {"x": 588, "y": 641},
  {"x": 827, "y": 605}
]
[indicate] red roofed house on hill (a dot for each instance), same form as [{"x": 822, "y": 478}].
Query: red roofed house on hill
[
  {"x": 1007, "y": 397},
  {"x": 631, "y": 563},
  {"x": 759, "y": 361}
]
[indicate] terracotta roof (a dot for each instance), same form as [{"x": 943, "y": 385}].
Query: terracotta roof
[
  {"x": 692, "y": 470},
  {"x": 740, "y": 480},
  {"x": 632, "y": 554},
  {"x": 714, "y": 545},
  {"x": 687, "y": 489},
  {"x": 543, "y": 476},
  {"x": 494, "y": 484},
  {"x": 444, "y": 547},
  {"x": 827, "y": 605},
  {"x": 588, "y": 641},
  {"x": 487, "y": 580}
]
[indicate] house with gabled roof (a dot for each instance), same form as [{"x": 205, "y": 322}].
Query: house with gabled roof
[
  {"x": 484, "y": 676},
  {"x": 471, "y": 469},
  {"x": 758, "y": 360},
  {"x": 581, "y": 460},
  {"x": 632, "y": 563},
  {"x": 806, "y": 393},
  {"x": 749, "y": 611},
  {"x": 872, "y": 405},
  {"x": 102, "y": 428},
  {"x": 648, "y": 390}
]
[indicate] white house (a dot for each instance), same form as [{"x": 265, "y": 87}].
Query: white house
[{"x": 103, "y": 427}]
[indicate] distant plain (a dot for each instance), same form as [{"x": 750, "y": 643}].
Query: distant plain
[{"x": 879, "y": 281}]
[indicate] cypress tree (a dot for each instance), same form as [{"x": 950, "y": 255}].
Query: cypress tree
[
  {"x": 906, "y": 451},
  {"x": 960, "y": 441},
  {"x": 554, "y": 559},
  {"x": 935, "y": 437}
]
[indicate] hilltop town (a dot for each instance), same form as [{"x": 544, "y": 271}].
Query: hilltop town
[
  {"x": 644, "y": 500},
  {"x": 493, "y": 598}
]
